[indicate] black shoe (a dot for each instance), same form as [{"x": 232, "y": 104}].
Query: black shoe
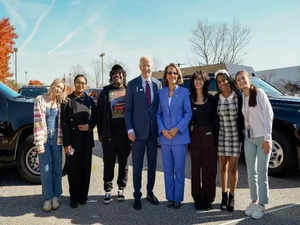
[
  {"x": 107, "y": 198},
  {"x": 197, "y": 205},
  {"x": 224, "y": 201},
  {"x": 82, "y": 202},
  {"x": 74, "y": 204},
  {"x": 137, "y": 205},
  {"x": 121, "y": 196},
  {"x": 230, "y": 204},
  {"x": 151, "y": 198},
  {"x": 177, "y": 205},
  {"x": 170, "y": 204}
]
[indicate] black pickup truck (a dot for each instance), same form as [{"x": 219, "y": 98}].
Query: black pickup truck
[
  {"x": 16, "y": 133},
  {"x": 285, "y": 156}
]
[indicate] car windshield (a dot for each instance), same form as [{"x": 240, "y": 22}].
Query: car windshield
[
  {"x": 268, "y": 89},
  {"x": 32, "y": 92},
  {"x": 10, "y": 93}
]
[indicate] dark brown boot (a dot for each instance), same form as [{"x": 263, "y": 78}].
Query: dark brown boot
[
  {"x": 230, "y": 205},
  {"x": 224, "y": 201}
]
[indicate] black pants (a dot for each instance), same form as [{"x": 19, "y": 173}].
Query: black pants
[
  {"x": 115, "y": 148},
  {"x": 79, "y": 172},
  {"x": 204, "y": 165}
]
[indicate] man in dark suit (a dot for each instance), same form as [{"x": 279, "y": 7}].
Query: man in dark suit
[{"x": 140, "y": 117}]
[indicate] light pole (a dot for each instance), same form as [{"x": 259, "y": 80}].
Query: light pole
[
  {"x": 16, "y": 68},
  {"x": 26, "y": 77},
  {"x": 102, "y": 55}
]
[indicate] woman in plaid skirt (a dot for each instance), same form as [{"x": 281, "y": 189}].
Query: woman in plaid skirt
[{"x": 230, "y": 125}]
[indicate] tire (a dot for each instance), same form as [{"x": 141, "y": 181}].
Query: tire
[
  {"x": 28, "y": 162},
  {"x": 284, "y": 156}
]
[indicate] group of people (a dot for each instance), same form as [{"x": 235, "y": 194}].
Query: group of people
[{"x": 130, "y": 117}]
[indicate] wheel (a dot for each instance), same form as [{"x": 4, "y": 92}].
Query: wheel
[
  {"x": 283, "y": 156},
  {"x": 28, "y": 161}
]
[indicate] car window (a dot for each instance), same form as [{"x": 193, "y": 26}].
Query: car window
[{"x": 32, "y": 92}]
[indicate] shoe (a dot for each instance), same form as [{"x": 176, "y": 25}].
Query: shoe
[
  {"x": 82, "y": 202},
  {"x": 197, "y": 205},
  {"x": 230, "y": 204},
  {"x": 177, "y": 205},
  {"x": 121, "y": 196},
  {"x": 258, "y": 212},
  {"x": 224, "y": 201},
  {"x": 74, "y": 204},
  {"x": 137, "y": 205},
  {"x": 55, "y": 203},
  {"x": 151, "y": 198},
  {"x": 47, "y": 206},
  {"x": 250, "y": 209},
  {"x": 170, "y": 204},
  {"x": 107, "y": 198}
]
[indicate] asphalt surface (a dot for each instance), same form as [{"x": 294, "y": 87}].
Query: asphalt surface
[{"x": 20, "y": 202}]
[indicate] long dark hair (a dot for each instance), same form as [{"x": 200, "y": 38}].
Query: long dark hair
[
  {"x": 230, "y": 81},
  {"x": 117, "y": 69},
  {"x": 252, "y": 91},
  {"x": 203, "y": 76}
]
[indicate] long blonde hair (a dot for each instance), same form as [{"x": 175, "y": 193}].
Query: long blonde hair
[{"x": 59, "y": 98}]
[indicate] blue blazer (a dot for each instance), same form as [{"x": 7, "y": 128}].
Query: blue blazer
[
  {"x": 177, "y": 114},
  {"x": 138, "y": 115}
]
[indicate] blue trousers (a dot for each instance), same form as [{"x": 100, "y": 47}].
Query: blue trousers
[
  {"x": 138, "y": 151},
  {"x": 50, "y": 163},
  {"x": 173, "y": 157},
  {"x": 257, "y": 166}
]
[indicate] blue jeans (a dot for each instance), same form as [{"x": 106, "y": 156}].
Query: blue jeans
[
  {"x": 257, "y": 167},
  {"x": 173, "y": 157},
  {"x": 51, "y": 169}
]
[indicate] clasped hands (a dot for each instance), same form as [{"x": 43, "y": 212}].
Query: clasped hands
[{"x": 169, "y": 134}]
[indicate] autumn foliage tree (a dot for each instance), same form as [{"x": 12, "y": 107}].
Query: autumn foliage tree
[{"x": 7, "y": 36}]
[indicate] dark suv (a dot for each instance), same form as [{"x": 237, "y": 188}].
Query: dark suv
[
  {"x": 33, "y": 91},
  {"x": 16, "y": 133},
  {"x": 284, "y": 157}
]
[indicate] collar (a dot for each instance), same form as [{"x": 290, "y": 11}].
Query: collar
[
  {"x": 144, "y": 80},
  {"x": 229, "y": 98}
]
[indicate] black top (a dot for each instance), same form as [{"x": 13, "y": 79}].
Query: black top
[
  {"x": 75, "y": 111},
  {"x": 204, "y": 115},
  {"x": 111, "y": 112}
]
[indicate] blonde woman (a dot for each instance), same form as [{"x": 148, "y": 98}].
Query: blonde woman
[{"x": 48, "y": 140}]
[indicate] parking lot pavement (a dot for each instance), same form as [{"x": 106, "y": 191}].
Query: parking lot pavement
[{"x": 20, "y": 203}]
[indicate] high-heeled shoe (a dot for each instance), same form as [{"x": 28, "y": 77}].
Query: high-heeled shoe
[
  {"x": 224, "y": 201},
  {"x": 230, "y": 204}
]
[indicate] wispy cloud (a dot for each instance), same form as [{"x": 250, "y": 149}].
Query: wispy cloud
[
  {"x": 75, "y": 2},
  {"x": 90, "y": 20},
  {"x": 14, "y": 14},
  {"x": 37, "y": 25},
  {"x": 68, "y": 37}
]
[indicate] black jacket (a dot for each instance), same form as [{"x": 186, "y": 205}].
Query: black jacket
[
  {"x": 77, "y": 111},
  {"x": 104, "y": 114}
]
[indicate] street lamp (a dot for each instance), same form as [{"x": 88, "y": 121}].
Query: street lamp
[
  {"x": 16, "y": 68},
  {"x": 26, "y": 77},
  {"x": 102, "y": 55}
]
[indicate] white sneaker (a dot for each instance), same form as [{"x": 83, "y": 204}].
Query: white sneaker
[
  {"x": 55, "y": 203},
  {"x": 121, "y": 196},
  {"x": 250, "y": 209},
  {"x": 47, "y": 205},
  {"x": 107, "y": 198},
  {"x": 258, "y": 212}
]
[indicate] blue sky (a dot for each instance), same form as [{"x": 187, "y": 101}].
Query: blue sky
[{"x": 56, "y": 35}]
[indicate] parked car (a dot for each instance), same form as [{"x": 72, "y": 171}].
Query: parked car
[
  {"x": 16, "y": 133},
  {"x": 32, "y": 91},
  {"x": 284, "y": 157},
  {"x": 94, "y": 93}
]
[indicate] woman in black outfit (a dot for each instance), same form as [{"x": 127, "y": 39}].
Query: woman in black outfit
[
  {"x": 203, "y": 147},
  {"x": 78, "y": 121}
]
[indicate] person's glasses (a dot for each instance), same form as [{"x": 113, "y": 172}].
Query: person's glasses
[{"x": 170, "y": 73}]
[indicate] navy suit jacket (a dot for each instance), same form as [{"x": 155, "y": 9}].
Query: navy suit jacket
[
  {"x": 138, "y": 115},
  {"x": 177, "y": 114}
]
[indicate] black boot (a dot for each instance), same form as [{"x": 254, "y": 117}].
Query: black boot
[
  {"x": 224, "y": 201},
  {"x": 230, "y": 205}
]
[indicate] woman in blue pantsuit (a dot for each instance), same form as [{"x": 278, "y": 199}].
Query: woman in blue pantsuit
[{"x": 173, "y": 117}]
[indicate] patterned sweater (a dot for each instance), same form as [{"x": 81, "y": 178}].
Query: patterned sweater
[{"x": 40, "y": 125}]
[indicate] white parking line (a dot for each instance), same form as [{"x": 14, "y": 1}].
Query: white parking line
[{"x": 268, "y": 212}]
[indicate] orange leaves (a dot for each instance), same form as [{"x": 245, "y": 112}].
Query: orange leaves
[
  {"x": 35, "y": 82},
  {"x": 7, "y": 36}
]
